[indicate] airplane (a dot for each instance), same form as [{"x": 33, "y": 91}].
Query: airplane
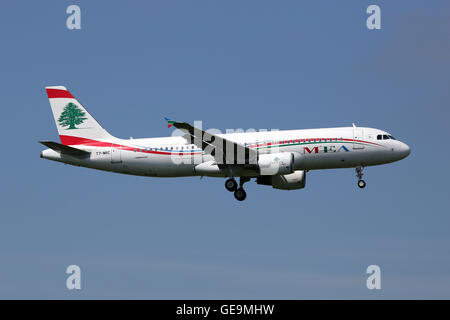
[{"x": 279, "y": 159}]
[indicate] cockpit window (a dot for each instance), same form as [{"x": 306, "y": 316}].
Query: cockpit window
[{"x": 385, "y": 137}]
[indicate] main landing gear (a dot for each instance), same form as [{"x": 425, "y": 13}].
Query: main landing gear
[
  {"x": 239, "y": 192},
  {"x": 231, "y": 185},
  {"x": 359, "y": 174}
]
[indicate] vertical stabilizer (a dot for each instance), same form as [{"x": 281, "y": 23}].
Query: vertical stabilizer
[{"x": 75, "y": 124}]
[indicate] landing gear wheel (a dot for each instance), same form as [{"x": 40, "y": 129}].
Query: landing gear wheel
[
  {"x": 231, "y": 185},
  {"x": 359, "y": 174},
  {"x": 240, "y": 194},
  {"x": 361, "y": 184}
]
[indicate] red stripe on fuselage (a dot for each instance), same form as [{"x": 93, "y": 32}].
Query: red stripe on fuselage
[
  {"x": 58, "y": 93},
  {"x": 71, "y": 140}
]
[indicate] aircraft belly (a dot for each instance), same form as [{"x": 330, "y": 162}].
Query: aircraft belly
[{"x": 157, "y": 166}]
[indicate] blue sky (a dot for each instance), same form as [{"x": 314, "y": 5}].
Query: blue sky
[{"x": 231, "y": 64}]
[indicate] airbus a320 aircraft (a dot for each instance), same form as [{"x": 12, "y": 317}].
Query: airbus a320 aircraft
[{"x": 279, "y": 159}]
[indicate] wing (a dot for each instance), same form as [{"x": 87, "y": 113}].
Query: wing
[{"x": 223, "y": 150}]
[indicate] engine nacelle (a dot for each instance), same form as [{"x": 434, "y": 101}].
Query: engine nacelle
[
  {"x": 271, "y": 164},
  {"x": 292, "y": 181}
]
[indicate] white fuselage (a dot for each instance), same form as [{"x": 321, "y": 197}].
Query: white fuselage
[{"x": 343, "y": 147}]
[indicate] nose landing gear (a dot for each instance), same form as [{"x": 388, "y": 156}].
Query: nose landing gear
[
  {"x": 239, "y": 192},
  {"x": 361, "y": 184},
  {"x": 359, "y": 174}
]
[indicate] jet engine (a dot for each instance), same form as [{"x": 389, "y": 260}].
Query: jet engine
[
  {"x": 276, "y": 163},
  {"x": 292, "y": 181}
]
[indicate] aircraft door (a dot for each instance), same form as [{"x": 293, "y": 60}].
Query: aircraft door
[
  {"x": 358, "y": 134},
  {"x": 116, "y": 154}
]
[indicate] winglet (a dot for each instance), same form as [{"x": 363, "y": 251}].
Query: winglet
[{"x": 169, "y": 122}]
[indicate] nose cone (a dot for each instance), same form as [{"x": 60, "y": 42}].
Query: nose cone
[{"x": 403, "y": 150}]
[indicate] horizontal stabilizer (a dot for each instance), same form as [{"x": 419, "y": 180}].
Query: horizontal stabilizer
[{"x": 64, "y": 149}]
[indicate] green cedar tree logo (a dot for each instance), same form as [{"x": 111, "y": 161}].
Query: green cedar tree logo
[{"x": 71, "y": 116}]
